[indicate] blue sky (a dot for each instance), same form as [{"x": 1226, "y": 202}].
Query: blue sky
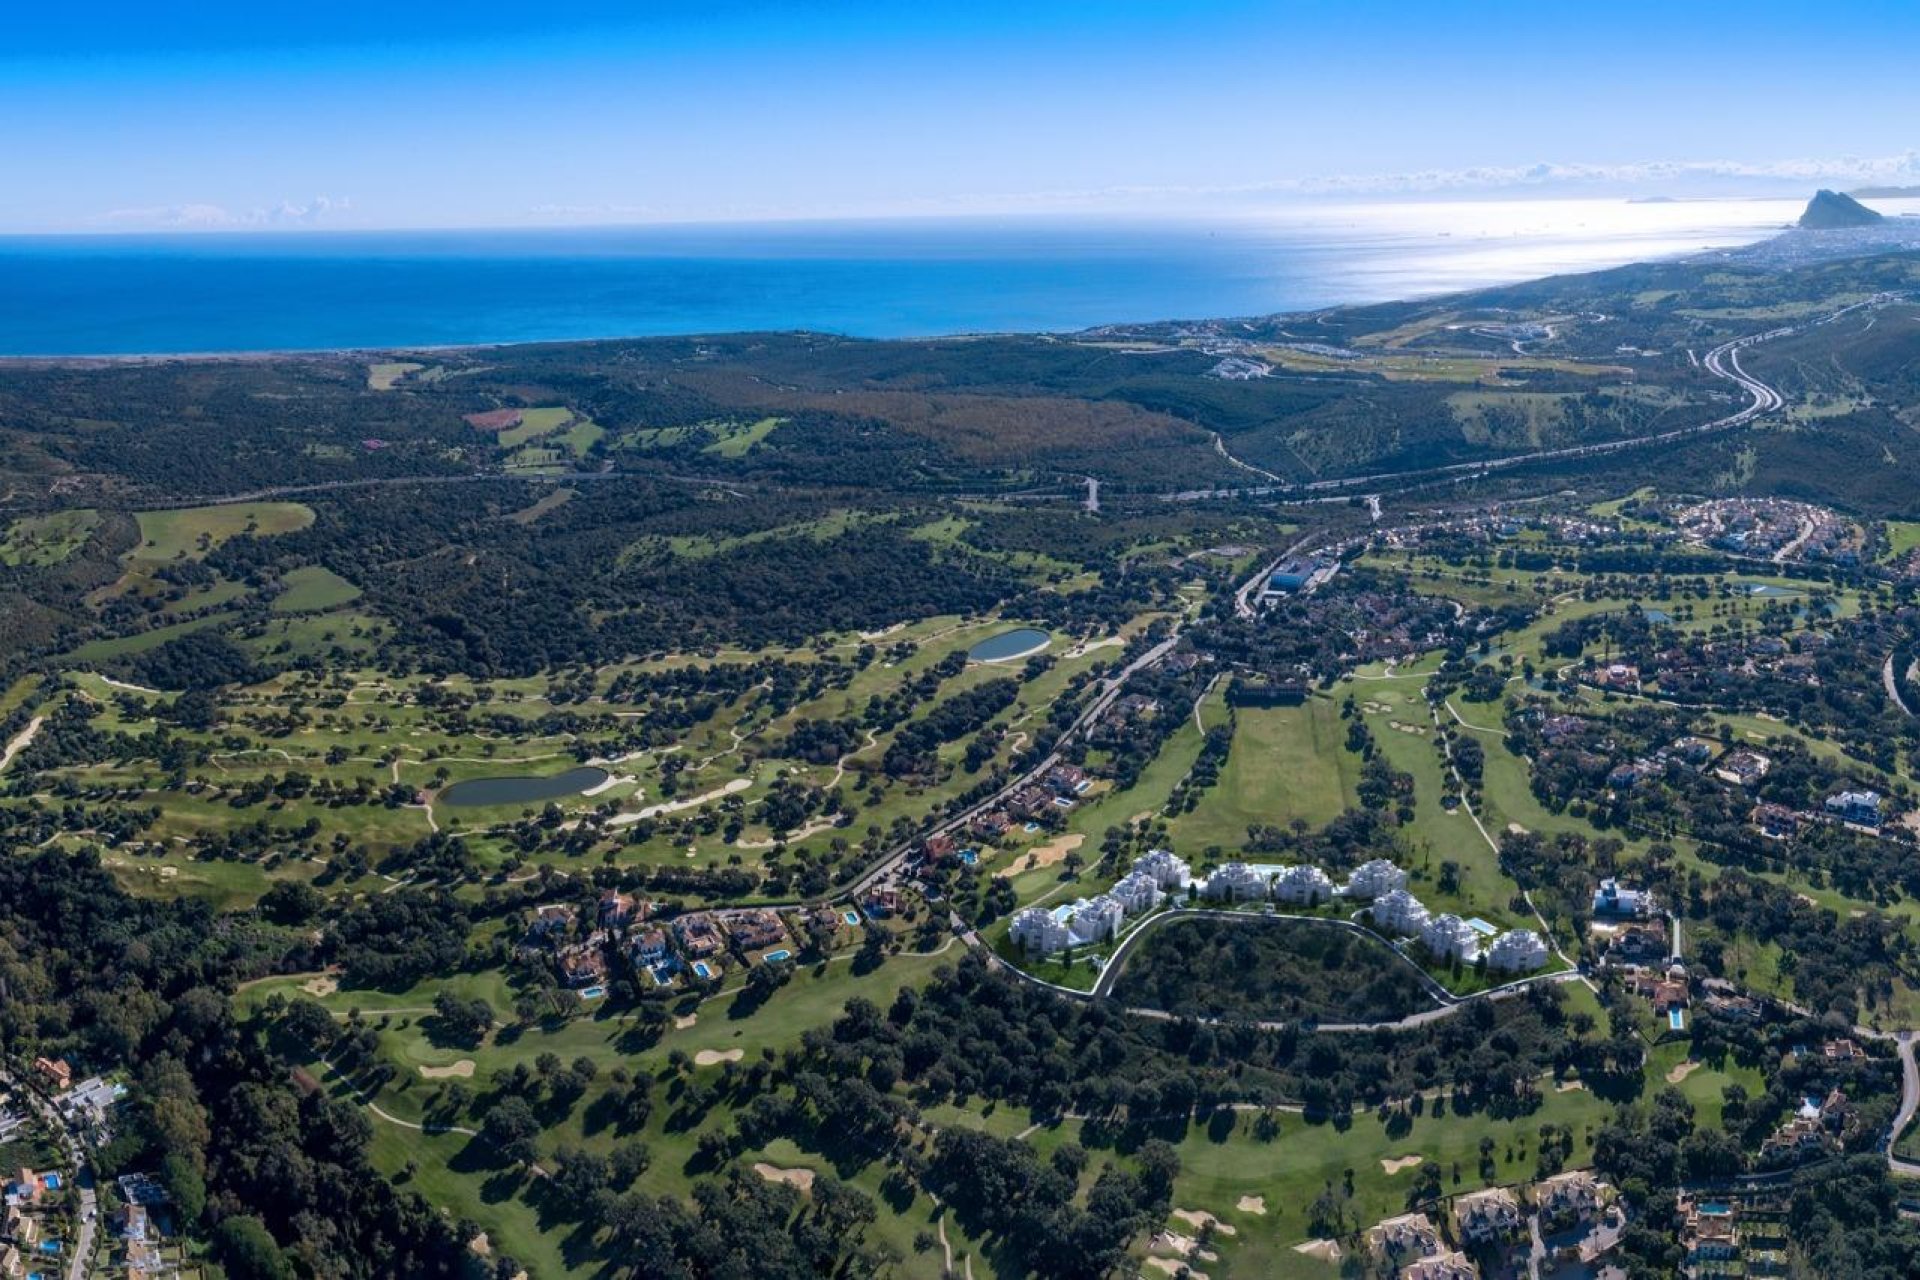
[{"x": 355, "y": 114}]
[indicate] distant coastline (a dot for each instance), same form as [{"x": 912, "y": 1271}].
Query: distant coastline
[{"x": 226, "y": 295}]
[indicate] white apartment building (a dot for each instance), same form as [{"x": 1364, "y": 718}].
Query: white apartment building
[
  {"x": 1397, "y": 911},
  {"x": 1371, "y": 879},
  {"x": 1304, "y": 885},
  {"x": 1096, "y": 919},
  {"x": 1448, "y": 937},
  {"x": 1137, "y": 893},
  {"x": 1235, "y": 882},
  {"x": 1039, "y": 931},
  {"x": 1168, "y": 872},
  {"x": 1517, "y": 951}
]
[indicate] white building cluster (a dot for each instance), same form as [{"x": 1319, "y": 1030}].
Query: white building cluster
[
  {"x": 1446, "y": 937},
  {"x": 1090, "y": 920}
]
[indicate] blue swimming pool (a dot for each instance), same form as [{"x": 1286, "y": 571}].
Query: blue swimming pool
[
  {"x": 851, "y": 917},
  {"x": 701, "y": 969},
  {"x": 970, "y": 857},
  {"x": 593, "y": 993},
  {"x": 1677, "y": 1019},
  {"x": 781, "y": 954}
]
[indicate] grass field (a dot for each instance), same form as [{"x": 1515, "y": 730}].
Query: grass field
[
  {"x": 39, "y": 541},
  {"x": 1286, "y": 763},
  {"x": 313, "y": 589},
  {"x": 188, "y": 533},
  {"x": 736, "y": 439},
  {"x": 386, "y": 374}
]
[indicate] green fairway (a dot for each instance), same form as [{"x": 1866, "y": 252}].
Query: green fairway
[
  {"x": 188, "y": 533},
  {"x": 39, "y": 541},
  {"x": 735, "y": 439},
  {"x": 1286, "y": 763},
  {"x": 313, "y": 589}
]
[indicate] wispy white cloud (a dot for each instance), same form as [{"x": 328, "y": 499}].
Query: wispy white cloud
[{"x": 214, "y": 217}]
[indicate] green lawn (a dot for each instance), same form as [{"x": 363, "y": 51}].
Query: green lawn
[
  {"x": 313, "y": 589},
  {"x": 39, "y": 541},
  {"x": 736, "y": 439},
  {"x": 190, "y": 532},
  {"x": 1286, "y": 763}
]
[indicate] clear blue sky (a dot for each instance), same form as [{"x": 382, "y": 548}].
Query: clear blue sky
[{"x": 351, "y": 113}]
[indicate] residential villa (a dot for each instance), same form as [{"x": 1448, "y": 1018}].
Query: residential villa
[
  {"x": 1775, "y": 821},
  {"x": 1067, "y": 779},
  {"x": 1569, "y": 1198},
  {"x": 584, "y": 963},
  {"x": 1517, "y": 951},
  {"x": 1743, "y": 768},
  {"x": 1666, "y": 991},
  {"x": 754, "y": 930},
  {"x": 1709, "y": 1231},
  {"x": 990, "y": 825},
  {"x": 1303, "y": 885},
  {"x": 1235, "y": 882},
  {"x": 1618, "y": 675},
  {"x": 552, "y": 920},
  {"x": 57, "y": 1072},
  {"x": 1613, "y": 900},
  {"x": 699, "y": 937},
  {"x": 1639, "y": 944},
  {"x": 618, "y": 910},
  {"x": 1814, "y": 1131},
  {"x": 1858, "y": 808},
  {"x": 648, "y": 949},
  {"x": 1485, "y": 1217},
  {"x": 1843, "y": 1050},
  {"x": 1371, "y": 879},
  {"x": 1445, "y": 1266},
  {"x": 1397, "y": 911},
  {"x": 1403, "y": 1240},
  {"x": 1447, "y": 937},
  {"x": 1168, "y": 872}
]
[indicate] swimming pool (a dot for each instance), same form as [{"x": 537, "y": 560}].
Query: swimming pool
[
  {"x": 701, "y": 969},
  {"x": 851, "y": 917},
  {"x": 1481, "y": 927},
  {"x": 593, "y": 993},
  {"x": 971, "y": 857},
  {"x": 772, "y": 956},
  {"x": 1677, "y": 1019}
]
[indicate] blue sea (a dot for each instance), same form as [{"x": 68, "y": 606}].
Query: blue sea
[{"x": 310, "y": 290}]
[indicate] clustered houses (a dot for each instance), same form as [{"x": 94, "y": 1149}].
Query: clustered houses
[
  {"x": 1137, "y": 892},
  {"x": 1814, "y": 1131},
  {"x": 1445, "y": 1266},
  {"x": 1404, "y": 1240},
  {"x": 1371, "y": 879},
  {"x": 1742, "y": 768},
  {"x": 1744, "y": 1232},
  {"x": 1448, "y": 938},
  {"x": 1569, "y": 1199},
  {"x": 1168, "y": 872},
  {"x": 1766, "y": 527},
  {"x": 1302, "y": 885},
  {"x": 1856, "y": 808},
  {"x": 1488, "y": 1217}
]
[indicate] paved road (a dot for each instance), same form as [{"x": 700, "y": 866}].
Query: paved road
[
  {"x": 1909, "y": 1103},
  {"x": 1893, "y": 686}
]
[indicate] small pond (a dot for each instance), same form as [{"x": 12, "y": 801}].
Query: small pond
[
  {"x": 523, "y": 788},
  {"x": 1018, "y": 643}
]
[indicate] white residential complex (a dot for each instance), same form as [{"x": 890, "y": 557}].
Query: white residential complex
[
  {"x": 1517, "y": 951},
  {"x": 1043, "y": 931},
  {"x": 1137, "y": 892},
  {"x": 1397, "y": 911},
  {"x": 1448, "y": 937},
  {"x": 1371, "y": 879},
  {"x": 1235, "y": 882},
  {"x": 1169, "y": 872},
  {"x": 1303, "y": 884}
]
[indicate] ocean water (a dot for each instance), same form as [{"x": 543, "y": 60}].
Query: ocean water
[{"x": 120, "y": 295}]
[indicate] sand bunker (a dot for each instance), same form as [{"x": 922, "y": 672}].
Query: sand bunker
[
  {"x": 1681, "y": 1071},
  {"x": 320, "y": 986},
  {"x": 1326, "y": 1250},
  {"x": 801, "y": 1178},
  {"x": 481, "y": 1246},
  {"x": 1201, "y": 1218},
  {"x": 1404, "y": 1162},
  {"x": 1516, "y": 829},
  {"x": 1173, "y": 1266},
  {"x": 1414, "y": 729},
  {"x": 1569, "y": 1086},
  {"x": 1045, "y": 855},
  {"x": 714, "y": 1057},
  {"x": 462, "y": 1070},
  {"x": 685, "y": 1020},
  {"x": 1252, "y": 1204}
]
